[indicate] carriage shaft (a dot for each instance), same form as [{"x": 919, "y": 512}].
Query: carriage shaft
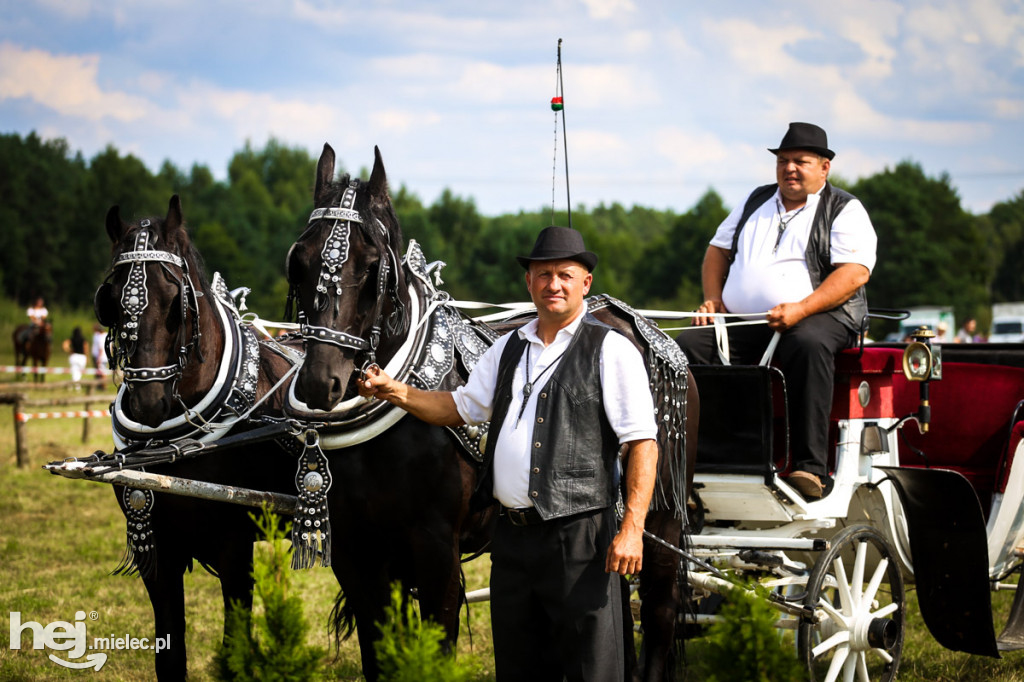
[
  {"x": 716, "y": 585},
  {"x": 174, "y": 485}
]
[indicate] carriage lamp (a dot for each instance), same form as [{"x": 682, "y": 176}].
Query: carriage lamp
[
  {"x": 921, "y": 363},
  {"x": 917, "y": 361}
]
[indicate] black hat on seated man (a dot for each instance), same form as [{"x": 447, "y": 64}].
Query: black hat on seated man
[
  {"x": 560, "y": 243},
  {"x": 805, "y": 136}
]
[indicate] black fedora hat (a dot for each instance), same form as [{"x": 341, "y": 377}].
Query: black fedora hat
[
  {"x": 805, "y": 136},
  {"x": 559, "y": 243}
]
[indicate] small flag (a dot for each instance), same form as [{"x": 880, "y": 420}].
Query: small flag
[{"x": 556, "y": 104}]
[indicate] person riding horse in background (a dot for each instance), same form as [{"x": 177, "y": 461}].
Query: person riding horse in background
[
  {"x": 37, "y": 314},
  {"x": 563, "y": 393},
  {"x": 802, "y": 250}
]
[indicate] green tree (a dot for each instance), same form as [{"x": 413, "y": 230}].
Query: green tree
[
  {"x": 669, "y": 273},
  {"x": 930, "y": 251},
  {"x": 409, "y": 649},
  {"x": 460, "y": 227},
  {"x": 744, "y": 644},
  {"x": 270, "y": 643},
  {"x": 1007, "y": 219}
]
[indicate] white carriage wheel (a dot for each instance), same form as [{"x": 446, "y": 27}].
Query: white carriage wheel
[{"x": 857, "y": 592}]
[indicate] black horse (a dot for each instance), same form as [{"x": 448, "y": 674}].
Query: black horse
[
  {"x": 33, "y": 341},
  {"x": 192, "y": 372},
  {"x": 400, "y": 500},
  {"x": 405, "y": 512}
]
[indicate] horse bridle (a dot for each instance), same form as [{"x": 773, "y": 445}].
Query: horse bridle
[
  {"x": 333, "y": 256},
  {"x": 124, "y": 335}
]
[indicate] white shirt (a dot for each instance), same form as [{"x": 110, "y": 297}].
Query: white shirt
[
  {"x": 625, "y": 390},
  {"x": 37, "y": 315},
  {"x": 762, "y": 276}
]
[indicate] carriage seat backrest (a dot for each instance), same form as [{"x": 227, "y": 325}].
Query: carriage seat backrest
[{"x": 738, "y": 427}]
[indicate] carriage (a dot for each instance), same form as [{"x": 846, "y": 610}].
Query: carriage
[
  {"x": 925, "y": 437},
  {"x": 928, "y": 490}
]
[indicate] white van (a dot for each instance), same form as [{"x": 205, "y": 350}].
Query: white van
[
  {"x": 1007, "y": 323},
  {"x": 1007, "y": 330}
]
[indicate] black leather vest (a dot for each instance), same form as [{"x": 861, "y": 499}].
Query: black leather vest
[
  {"x": 574, "y": 450},
  {"x": 818, "y": 254}
]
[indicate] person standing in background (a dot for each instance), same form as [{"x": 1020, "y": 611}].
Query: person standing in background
[{"x": 75, "y": 347}]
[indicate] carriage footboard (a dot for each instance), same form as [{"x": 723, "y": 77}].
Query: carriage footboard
[{"x": 949, "y": 547}]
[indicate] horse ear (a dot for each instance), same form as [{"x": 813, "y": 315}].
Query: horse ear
[
  {"x": 115, "y": 226},
  {"x": 324, "y": 175},
  {"x": 174, "y": 218},
  {"x": 378, "y": 178}
]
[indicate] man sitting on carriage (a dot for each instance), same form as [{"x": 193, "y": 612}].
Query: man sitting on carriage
[{"x": 802, "y": 250}]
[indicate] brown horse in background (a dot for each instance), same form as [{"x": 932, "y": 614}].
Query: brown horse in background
[{"x": 33, "y": 341}]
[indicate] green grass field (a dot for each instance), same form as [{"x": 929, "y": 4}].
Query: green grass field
[{"x": 60, "y": 538}]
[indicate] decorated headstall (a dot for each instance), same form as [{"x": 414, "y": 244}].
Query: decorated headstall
[
  {"x": 333, "y": 256},
  {"x": 123, "y": 337}
]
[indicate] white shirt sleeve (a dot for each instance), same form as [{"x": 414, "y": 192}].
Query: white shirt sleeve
[
  {"x": 626, "y": 390},
  {"x": 475, "y": 400},
  {"x": 853, "y": 236},
  {"x": 724, "y": 234}
]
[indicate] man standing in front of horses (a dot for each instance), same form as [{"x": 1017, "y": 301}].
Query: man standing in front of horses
[
  {"x": 563, "y": 393},
  {"x": 802, "y": 250}
]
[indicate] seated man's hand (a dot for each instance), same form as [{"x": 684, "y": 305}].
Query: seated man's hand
[
  {"x": 707, "y": 308},
  {"x": 785, "y": 315}
]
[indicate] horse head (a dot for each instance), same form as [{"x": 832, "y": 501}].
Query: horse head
[
  {"x": 152, "y": 303},
  {"x": 347, "y": 283}
]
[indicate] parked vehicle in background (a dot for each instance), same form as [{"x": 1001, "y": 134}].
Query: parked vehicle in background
[{"x": 1007, "y": 323}]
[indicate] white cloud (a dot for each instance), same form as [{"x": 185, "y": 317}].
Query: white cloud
[
  {"x": 251, "y": 114},
  {"x": 606, "y": 9},
  {"x": 689, "y": 150},
  {"x": 65, "y": 84},
  {"x": 758, "y": 48}
]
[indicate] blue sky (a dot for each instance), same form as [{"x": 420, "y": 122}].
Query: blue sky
[{"x": 664, "y": 99}]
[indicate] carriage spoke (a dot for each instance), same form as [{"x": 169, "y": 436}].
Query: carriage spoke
[
  {"x": 837, "y": 664},
  {"x": 852, "y": 664},
  {"x": 883, "y": 654},
  {"x": 857, "y": 583},
  {"x": 841, "y": 637},
  {"x": 843, "y": 585},
  {"x": 885, "y": 610},
  {"x": 859, "y": 669},
  {"x": 876, "y": 580},
  {"x": 834, "y": 614}
]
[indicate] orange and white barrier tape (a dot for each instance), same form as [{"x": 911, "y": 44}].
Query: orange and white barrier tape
[
  {"x": 24, "y": 417},
  {"x": 18, "y": 369}
]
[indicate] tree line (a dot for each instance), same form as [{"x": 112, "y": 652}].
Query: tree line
[{"x": 53, "y": 244}]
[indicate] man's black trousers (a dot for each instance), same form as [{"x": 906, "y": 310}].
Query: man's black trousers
[{"x": 806, "y": 356}]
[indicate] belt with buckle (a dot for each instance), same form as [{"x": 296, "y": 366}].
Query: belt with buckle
[{"x": 527, "y": 516}]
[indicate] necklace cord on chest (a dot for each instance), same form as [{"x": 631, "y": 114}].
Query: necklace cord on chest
[
  {"x": 784, "y": 223},
  {"x": 528, "y": 385}
]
